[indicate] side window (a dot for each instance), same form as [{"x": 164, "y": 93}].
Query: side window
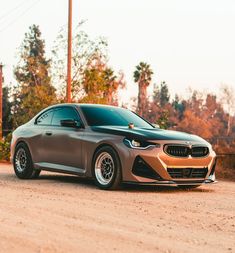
[
  {"x": 45, "y": 118},
  {"x": 65, "y": 113}
]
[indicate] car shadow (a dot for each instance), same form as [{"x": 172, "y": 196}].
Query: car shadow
[
  {"x": 89, "y": 183},
  {"x": 70, "y": 179}
]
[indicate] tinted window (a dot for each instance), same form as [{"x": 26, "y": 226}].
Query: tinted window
[
  {"x": 64, "y": 114},
  {"x": 45, "y": 118},
  {"x": 104, "y": 116}
]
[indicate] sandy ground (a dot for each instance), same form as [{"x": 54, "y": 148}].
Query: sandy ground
[{"x": 58, "y": 213}]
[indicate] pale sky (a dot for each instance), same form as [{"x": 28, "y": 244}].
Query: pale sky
[{"x": 186, "y": 42}]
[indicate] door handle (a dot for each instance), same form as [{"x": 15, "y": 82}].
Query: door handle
[{"x": 48, "y": 133}]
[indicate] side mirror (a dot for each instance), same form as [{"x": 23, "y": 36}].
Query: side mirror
[{"x": 70, "y": 123}]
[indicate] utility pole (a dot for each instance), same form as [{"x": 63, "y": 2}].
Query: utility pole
[
  {"x": 69, "y": 59},
  {"x": 1, "y": 100}
]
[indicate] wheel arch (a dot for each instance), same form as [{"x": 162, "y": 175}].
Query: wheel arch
[
  {"x": 105, "y": 144},
  {"x": 23, "y": 142}
]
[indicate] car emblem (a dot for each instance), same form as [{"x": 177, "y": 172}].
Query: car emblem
[{"x": 188, "y": 142}]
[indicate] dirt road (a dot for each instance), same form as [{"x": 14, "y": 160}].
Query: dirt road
[{"x": 58, "y": 213}]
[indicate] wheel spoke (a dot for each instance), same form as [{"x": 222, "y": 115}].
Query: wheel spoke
[
  {"x": 21, "y": 160},
  {"x": 104, "y": 168}
]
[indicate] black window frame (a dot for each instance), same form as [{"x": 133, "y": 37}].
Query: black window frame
[
  {"x": 53, "y": 111},
  {"x": 63, "y": 107}
]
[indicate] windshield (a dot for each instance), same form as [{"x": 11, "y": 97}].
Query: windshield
[{"x": 111, "y": 116}]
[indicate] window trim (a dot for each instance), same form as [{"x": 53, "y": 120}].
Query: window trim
[
  {"x": 53, "y": 111},
  {"x": 70, "y": 107}
]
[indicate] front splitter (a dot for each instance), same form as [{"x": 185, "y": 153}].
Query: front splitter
[{"x": 173, "y": 183}]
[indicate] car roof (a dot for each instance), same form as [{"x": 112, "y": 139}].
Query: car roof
[
  {"x": 82, "y": 105},
  {"x": 74, "y": 105}
]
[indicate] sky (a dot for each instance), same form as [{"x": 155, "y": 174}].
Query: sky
[{"x": 188, "y": 43}]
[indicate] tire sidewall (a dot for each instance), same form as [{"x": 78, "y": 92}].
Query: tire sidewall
[
  {"x": 27, "y": 173},
  {"x": 116, "y": 179}
]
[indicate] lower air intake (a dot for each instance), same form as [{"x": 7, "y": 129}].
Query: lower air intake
[
  {"x": 187, "y": 172},
  {"x": 142, "y": 169}
]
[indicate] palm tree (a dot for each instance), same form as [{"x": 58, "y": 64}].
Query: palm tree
[{"x": 142, "y": 76}]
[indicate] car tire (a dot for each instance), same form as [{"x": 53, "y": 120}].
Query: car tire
[
  {"x": 36, "y": 174},
  {"x": 22, "y": 161},
  {"x": 107, "y": 169}
]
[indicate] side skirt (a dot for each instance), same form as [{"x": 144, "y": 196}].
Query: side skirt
[{"x": 59, "y": 168}]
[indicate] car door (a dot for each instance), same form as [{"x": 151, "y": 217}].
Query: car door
[
  {"x": 42, "y": 124},
  {"x": 63, "y": 145}
]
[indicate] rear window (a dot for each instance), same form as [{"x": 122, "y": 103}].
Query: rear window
[{"x": 45, "y": 118}]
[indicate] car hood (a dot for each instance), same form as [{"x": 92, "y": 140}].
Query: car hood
[{"x": 147, "y": 134}]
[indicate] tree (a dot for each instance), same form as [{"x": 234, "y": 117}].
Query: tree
[
  {"x": 204, "y": 117},
  {"x": 100, "y": 84},
  {"x": 228, "y": 100},
  {"x": 160, "y": 111},
  {"x": 34, "y": 90},
  {"x": 7, "y": 117},
  {"x": 142, "y": 76},
  {"x": 7, "y": 125},
  {"x": 93, "y": 81},
  {"x": 161, "y": 96},
  {"x": 163, "y": 119},
  {"x": 179, "y": 107},
  {"x": 84, "y": 52}
]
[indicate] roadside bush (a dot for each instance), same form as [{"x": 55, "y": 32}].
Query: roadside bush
[
  {"x": 225, "y": 167},
  {"x": 5, "y": 144}
]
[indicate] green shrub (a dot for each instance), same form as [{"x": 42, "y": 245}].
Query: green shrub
[{"x": 5, "y": 145}]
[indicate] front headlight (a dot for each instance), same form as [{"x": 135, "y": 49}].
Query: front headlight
[{"x": 137, "y": 144}]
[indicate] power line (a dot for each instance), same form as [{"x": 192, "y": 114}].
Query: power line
[
  {"x": 13, "y": 9},
  {"x": 21, "y": 14}
]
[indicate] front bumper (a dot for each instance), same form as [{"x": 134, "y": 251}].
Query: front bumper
[
  {"x": 160, "y": 163},
  {"x": 175, "y": 183}
]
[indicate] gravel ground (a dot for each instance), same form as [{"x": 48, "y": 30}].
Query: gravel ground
[{"x": 58, "y": 213}]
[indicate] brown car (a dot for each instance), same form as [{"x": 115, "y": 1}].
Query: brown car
[{"x": 112, "y": 145}]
